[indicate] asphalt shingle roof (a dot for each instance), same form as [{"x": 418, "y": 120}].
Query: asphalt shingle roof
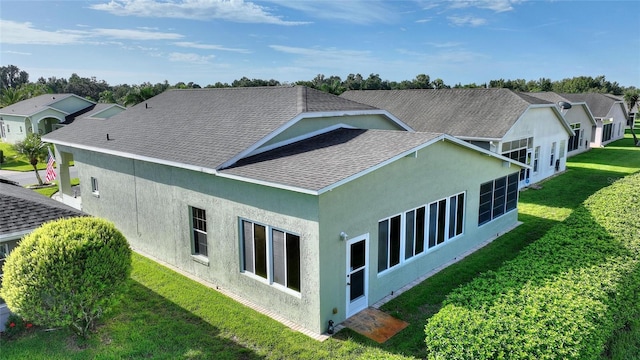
[
  {"x": 320, "y": 161},
  {"x": 23, "y": 209},
  {"x": 201, "y": 127},
  {"x": 599, "y": 104},
  {"x": 33, "y": 105},
  {"x": 465, "y": 113}
]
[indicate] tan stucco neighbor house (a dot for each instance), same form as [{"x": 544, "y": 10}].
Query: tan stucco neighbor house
[
  {"x": 45, "y": 113},
  {"x": 301, "y": 202},
  {"x": 516, "y": 125}
]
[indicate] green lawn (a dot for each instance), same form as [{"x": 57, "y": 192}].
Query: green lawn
[
  {"x": 167, "y": 316},
  {"x": 16, "y": 162}
]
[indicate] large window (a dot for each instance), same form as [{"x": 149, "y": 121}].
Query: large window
[
  {"x": 271, "y": 254},
  {"x": 553, "y": 154},
  {"x": 403, "y": 236},
  {"x": 520, "y": 151},
  {"x": 498, "y": 197},
  {"x": 536, "y": 159},
  {"x": 607, "y": 130},
  {"x": 199, "y": 231},
  {"x": 576, "y": 139}
]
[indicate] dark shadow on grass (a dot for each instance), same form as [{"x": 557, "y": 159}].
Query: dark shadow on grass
[{"x": 146, "y": 325}]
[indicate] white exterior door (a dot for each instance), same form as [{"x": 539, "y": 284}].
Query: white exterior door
[{"x": 357, "y": 274}]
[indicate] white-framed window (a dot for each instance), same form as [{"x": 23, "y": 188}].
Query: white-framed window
[
  {"x": 94, "y": 186},
  {"x": 519, "y": 150},
  {"x": 497, "y": 197},
  {"x": 576, "y": 139},
  {"x": 8, "y": 129},
  {"x": 272, "y": 254},
  {"x": 536, "y": 159},
  {"x": 563, "y": 145},
  {"x": 552, "y": 158},
  {"x": 607, "y": 130},
  {"x": 199, "y": 244},
  {"x": 413, "y": 232}
]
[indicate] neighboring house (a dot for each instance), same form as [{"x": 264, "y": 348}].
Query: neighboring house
[
  {"x": 46, "y": 113},
  {"x": 21, "y": 211},
  {"x": 521, "y": 127},
  {"x": 298, "y": 201},
  {"x": 579, "y": 118},
  {"x": 609, "y": 112}
]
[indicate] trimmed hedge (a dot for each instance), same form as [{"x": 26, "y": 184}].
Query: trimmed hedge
[
  {"x": 561, "y": 298},
  {"x": 67, "y": 273}
]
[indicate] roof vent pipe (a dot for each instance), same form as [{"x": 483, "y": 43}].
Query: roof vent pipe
[{"x": 146, "y": 106}]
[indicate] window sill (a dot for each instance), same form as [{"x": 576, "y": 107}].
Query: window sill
[{"x": 200, "y": 259}]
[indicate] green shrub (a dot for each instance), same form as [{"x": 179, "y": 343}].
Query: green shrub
[
  {"x": 561, "y": 298},
  {"x": 67, "y": 273},
  {"x": 15, "y": 326}
]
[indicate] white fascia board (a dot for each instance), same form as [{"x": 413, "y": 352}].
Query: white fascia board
[
  {"x": 135, "y": 156},
  {"x": 442, "y": 137},
  {"x": 268, "y": 183},
  {"x": 14, "y": 236},
  {"x": 472, "y": 138},
  {"x": 309, "y": 115}
]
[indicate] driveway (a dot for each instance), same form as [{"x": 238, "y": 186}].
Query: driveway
[{"x": 28, "y": 177}]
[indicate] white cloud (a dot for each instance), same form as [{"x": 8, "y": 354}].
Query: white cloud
[
  {"x": 194, "y": 45},
  {"x": 422, "y": 21},
  {"x": 130, "y": 34},
  {"x": 12, "y": 32},
  {"x": 466, "y": 20},
  {"x": 16, "y": 52},
  {"x": 351, "y": 11},
  {"x": 233, "y": 10},
  {"x": 445, "y": 44},
  {"x": 494, "y": 5},
  {"x": 190, "y": 58},
  {"x": 322, "y": 54}
]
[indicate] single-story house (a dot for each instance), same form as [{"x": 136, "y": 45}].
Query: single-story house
[
  {"x": 48, "y": 112},
  {"x": 609, "y": 112},
  {"x": 579, "y": 117},
  {"x": 521, "y": 127},
  {"x": 21, "y": 211},
  {"x": 300, "y": 202}
]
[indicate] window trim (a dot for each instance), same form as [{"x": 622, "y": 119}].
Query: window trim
[
  {"x": 202, "y": 256},
  {"x": 507, "y": 199},
  {"x": 426, "y": 228},
  {"x": 269, "y": 253},
  {"x": 95, "y": 189}
]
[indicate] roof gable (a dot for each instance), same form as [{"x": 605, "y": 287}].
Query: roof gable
[
  {"x": 202, "y": 128},
  {"x": 39, "y": 103},
  {"x": 464, "y": 113},
  {"x": 599, "y": 104}
]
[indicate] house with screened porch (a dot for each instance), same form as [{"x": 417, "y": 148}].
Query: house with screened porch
[
  {"x": 524, "y": 128},
  {"x": 303, "y": 203}
]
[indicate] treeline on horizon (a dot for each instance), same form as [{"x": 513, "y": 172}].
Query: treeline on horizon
[{"x": 15, "y": 86}]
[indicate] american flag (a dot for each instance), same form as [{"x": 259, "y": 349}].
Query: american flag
[{"x": 51, "y": 172}]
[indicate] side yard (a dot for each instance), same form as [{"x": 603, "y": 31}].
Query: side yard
[{"x": 165, "y": 315}]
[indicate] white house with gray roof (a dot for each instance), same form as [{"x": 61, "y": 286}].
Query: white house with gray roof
[
  {"x": 45, "y": 113},
  {"x": 300, "y": 202},
  {"x": 516, "y": 125},
  {"x": 609, "y": 112},
  {"x": 578, "y": 116}
]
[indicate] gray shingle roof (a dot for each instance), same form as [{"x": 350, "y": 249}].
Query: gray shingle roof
[
  {"x": 599, "y": 104},
  {"x": 33, "y": 105},
  {"x": 24, "y": 210},
  {"x": 201, "y": 127},
  {"x": 464, "y": 113},
  {"x": 323, "y": 160}
]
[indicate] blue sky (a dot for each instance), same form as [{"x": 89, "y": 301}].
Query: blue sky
[{"x": 206, "y": 41}]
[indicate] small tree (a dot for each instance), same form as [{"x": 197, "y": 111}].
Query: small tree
[
  {"x": 631, "y": 98},
  {"x": 34, "y": 149},
  {"x": 67, "y": 273}
]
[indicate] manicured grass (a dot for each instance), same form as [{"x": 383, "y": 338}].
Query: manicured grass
[
  {"x": 16, "y": 162},
  {"x": 49, "y": 191},
  {"x": 165, "y": 315}
]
